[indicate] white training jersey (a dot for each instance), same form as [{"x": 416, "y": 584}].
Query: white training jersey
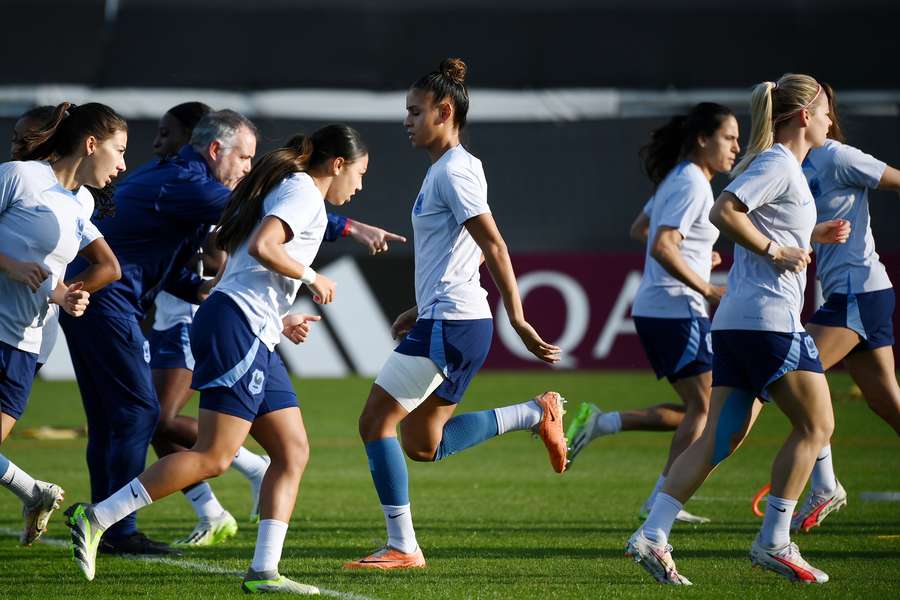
[
  {"x": 759, "y": 296},
  {"x": 49, "y": 333},
  {"x": 171, "y": 311},
  {"x": 840, "y": 177},
  {"x": 682, "y": 201},
  {"x": 448, "y": 285},
  {"x": 44, "y": 223},
  {"x": 262, "y": 295}
]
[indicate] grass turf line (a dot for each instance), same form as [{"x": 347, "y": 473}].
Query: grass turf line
[{"x": 494, "y": 521}]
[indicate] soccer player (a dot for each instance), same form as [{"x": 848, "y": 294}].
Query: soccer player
[
  {"x": 271, "y": 229},
  {"x": 855, "y": 323},
  {"x": 163, "y": 212},
  {"x": 759, "y": 345},
  {"x": 669, "y": 310},
  {"x": 45, "y": 213},
  {"x": 448, "y": 332},
  {"x": 171, "y": 359}
]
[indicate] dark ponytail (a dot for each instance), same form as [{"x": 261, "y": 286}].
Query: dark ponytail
[
  {"x": 678, "y": 138},
  {"x": 449, "y": 81},
  {"x": 67, "y": 128},
  {"x": 304, "y": 153}
]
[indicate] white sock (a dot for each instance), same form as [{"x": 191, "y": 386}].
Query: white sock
[
  {"x": 19, "y": 483},
  {"x": 659, "y": 483},
  {"x": 204, "y": 501},
  {"x": 659, "y": 523},
  {"x": 401, "y": 534},
  {"x": 607, "y": 423},
  {"x": 823, "y": 480},
  {"x": 524, "y": 415},
  {"x": 130, "y": 498},
  {"x": 776, "y": 527},
  {"x": 269, "y": 542},
  {"x": 248, "y": 464}
]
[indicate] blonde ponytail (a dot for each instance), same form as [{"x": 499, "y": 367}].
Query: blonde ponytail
[
  {"x": 771, "y": 105},
  {"x": 762, "y": 132}
]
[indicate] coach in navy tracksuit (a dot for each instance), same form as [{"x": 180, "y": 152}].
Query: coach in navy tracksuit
[{"x": 163, "y": 212}]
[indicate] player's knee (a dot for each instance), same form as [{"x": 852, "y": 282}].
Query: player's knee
[
  {"x": 371, "y": 423},
  {"x": 214, "y": 464},
  {"x": 420, "y": 453}
]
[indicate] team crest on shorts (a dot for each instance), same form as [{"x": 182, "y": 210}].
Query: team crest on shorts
[
  {"x": 709, "y": 342},
  {"x": 146, "y": 352},
  {"x": 811, "y": 346},
  {"x": 256, "y": 382}
]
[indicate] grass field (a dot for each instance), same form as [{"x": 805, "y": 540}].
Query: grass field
[{"x": 494, "y": 522}]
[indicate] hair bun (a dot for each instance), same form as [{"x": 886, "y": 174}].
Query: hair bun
[{"x": 454, "y": 69}]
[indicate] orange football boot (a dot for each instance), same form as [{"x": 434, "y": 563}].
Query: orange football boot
[
  {"x": 389, "y": 558},
  {"x": 551, "y": 429}
]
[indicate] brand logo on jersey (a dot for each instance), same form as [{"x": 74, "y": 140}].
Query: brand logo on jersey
[
  {"x": 417, "y": 207},
  {"x": 256, "y": 382},
  {"x": 79, "y": 228},
  {"x": 811, "y": 346},
  {"x": 146, "y": 352}
]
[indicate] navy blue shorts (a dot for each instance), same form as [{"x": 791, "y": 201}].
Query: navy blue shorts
[
  {"x": 457, "y": 347},
  {"x": 753, "y": 360},
  {"x": 235, "y": 372},
  {"x": 17, "y": 369},
  {"x": 869, "y": 314},
  {"x": 676, "y": 348},
  {"x": 171, "y": 348}
]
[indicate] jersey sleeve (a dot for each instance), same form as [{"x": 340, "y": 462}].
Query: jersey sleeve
[
  {"x": 296, "y": 205},
  {"x": 855, "y": 168},
  {"x": 763, "y": 181},
  {"x": 465, "y": 194},
  {"x": 89, "y": 234},
  {"x": 648, "y": 206},
  {"x": 9, "y": 184},
  {"x": 337, "y": 225},
  {"x": 681, "y": 209}
]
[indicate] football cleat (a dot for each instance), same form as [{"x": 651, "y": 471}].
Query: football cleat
[
  {"x": 818, "y": 506},
  {"x": 264, "y": 582},
  {"x": 37, "y": 514},
  {"x": 210, "y": 531},
  {"x": 786, "y": 561},
  {"x": 581, "y": 430},
  {"x": 389, "y": 558},
  {"x": 656, "y": 559},
  {"x": 86, "y": 536},
  {"x": 550, "y": 429}
]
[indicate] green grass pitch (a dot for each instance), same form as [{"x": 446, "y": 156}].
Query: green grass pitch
[{"x": 495, "y": 521}]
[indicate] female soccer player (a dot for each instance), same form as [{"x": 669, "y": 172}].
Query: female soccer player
[
  {"x": 855, "y": 323},
  {"x": 272, "y": 228},
  {"x": 669, "y": 310},
  {"x": 45, "y": 214},
  {"x": 759, "y": 346},
  {"x": 448, "y": 332}
]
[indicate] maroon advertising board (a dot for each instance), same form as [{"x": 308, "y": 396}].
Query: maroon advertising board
[{"x": 582, "y": 303}]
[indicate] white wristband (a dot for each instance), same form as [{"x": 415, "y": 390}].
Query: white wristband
[{"x": 309, "y": 276}]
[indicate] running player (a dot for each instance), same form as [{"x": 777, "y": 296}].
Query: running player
[
  {"x": 855, "y": 323},
  {"x": 271, "y": 229},
  {"x": 669, "y": 310},
  {"x": 448, "y": 332},
  {"x": 45, "y": 222},
  {"x": 759, "y": 346},
  {"x": 163, "y": 212}
]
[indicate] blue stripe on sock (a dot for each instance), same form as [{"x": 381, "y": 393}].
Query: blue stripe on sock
[
  {"x": 465, "y": 431},
  {"x": 388, "y": 468}
]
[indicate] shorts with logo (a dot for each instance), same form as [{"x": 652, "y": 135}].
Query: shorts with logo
[
  {"x": 235, "y": 372},
  {"x": 17, "y": 370},
  {"x": 171, "y": 348},
  {"x": 457, "y": 347},
  {"x": 753, "y": 360},
  {"x": 676, "y": 348},
  {"x": 869, "y": 314}
]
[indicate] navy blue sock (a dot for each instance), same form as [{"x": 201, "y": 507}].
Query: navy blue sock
[
  {"x": 388, "y": 467},
  {"x": 466, "y": 430}
]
